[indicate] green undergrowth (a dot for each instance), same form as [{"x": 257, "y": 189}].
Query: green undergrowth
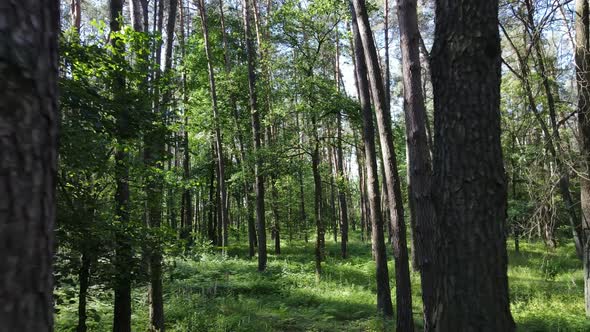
[{"x": 208, "y": 292}]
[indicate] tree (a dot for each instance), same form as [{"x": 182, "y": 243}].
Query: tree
[
  {"x": 154, "y": 153},
  {"x": 256, "y": 136},
  {"x": 124, "y": 254},
  {"x": 582, "y": 59},
  {"x": 472, "y": 285},
  {"x": 28, "y": 150},
  {"x": 420, "y": 166},
  {"x": 384, "y": 304},
  {"x": 405, "y": 322},
  {"x": 76, "y": 14},
  {"x": 220, "y": 162}
]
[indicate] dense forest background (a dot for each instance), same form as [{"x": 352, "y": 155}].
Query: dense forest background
[{"x": 320, "y": 165}]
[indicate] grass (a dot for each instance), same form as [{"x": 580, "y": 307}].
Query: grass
[{"x": 210, "y": 293}]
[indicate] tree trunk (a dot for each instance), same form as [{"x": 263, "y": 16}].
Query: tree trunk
[
  {"x": 187, "y": 215},
  {"x": 256, "y": 138},
  {"x": 136, "y": 11},
  {"x": 123, "y": 249},
  {"x": 341, "y": 190},
  {"x": 154, "y": 154},
  {"x": 84, "y": 279},
  {"x": 341, "y": 177},
  {"x": 211, "y": 202},
  {"x": 386, "y": 42},
  {"x": 317, "y": 181},
  {"x": 582, "y": 24},
  {"x": 405, "y": 322},
  {"x": 468, "y": 170},
  {"x": 384, "y": 304},
  {"x": 364, "y": 213},
  {"x": 218, "y": 140},
  {"x": 333, "y": 174},
  {"x": 275, "y": 212},
  {"x": 419, "y": 163},
  {"x": 76, "y": 14},
  {"x": 28, "y": 153}
]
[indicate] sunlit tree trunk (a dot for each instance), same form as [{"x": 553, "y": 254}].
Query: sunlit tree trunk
[
  {"x": 405, "y": 321},
  {"x": 471, "y": 198},
  {"x": 76, "y": 14},
  {"x": 384, "y": 304}
]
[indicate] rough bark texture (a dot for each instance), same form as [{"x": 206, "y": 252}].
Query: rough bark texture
[
  {"x": 28, "y": 161},
  {"x": 256, "y": 138},
  {"x": 582, "y": 23},
  {"x": 405, "y": 321},
  {"x": 384, "y": 304},
  {"x": 472, "y": 285},
  {"x": 123, "y": 249},
  {"x": 419, "y": 163}
]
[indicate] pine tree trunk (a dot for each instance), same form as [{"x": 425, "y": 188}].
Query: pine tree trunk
[
  {"x": 384, "y": 304},
  {"x": 468, "y": 170},
  {"x": 419, "y": 163},
  {"x": 76, "y": 14},
  {"x": 123, "y": 249},
  {"x": 405, "y": 321},
  {"x": 28, "y": 153},
  {"x": 582, "y": 25},
  {"x": 224, "y": 220},
  {"x": 256, "y": 138}
]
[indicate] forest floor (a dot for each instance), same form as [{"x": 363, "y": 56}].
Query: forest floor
[{"x": 207, "y": 292}]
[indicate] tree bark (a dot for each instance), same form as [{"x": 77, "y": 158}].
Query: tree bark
[
  {"x": 472, "y": 283},
  {"x": 154, "y": 154},
  {"x": 218, "y": 140},
  {"x": 341, "y": 177},
  {"x": 135, "y": 7},
  {"x": 384, "y": 304},
  {"x": 419, "y": 163},
  {"x": 28, "y": 157},
  {"x": 405, "y": 321},
  {"x": 123, "y": 248},
  {"x": 187, "y": 216},
  {"x": 76, "y": 14},
  {"x": 582, "y": 58},
  {"x": 256, "y": 138}
]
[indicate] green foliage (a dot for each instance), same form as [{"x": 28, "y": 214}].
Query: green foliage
[{"x": 212, "y": 293}]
